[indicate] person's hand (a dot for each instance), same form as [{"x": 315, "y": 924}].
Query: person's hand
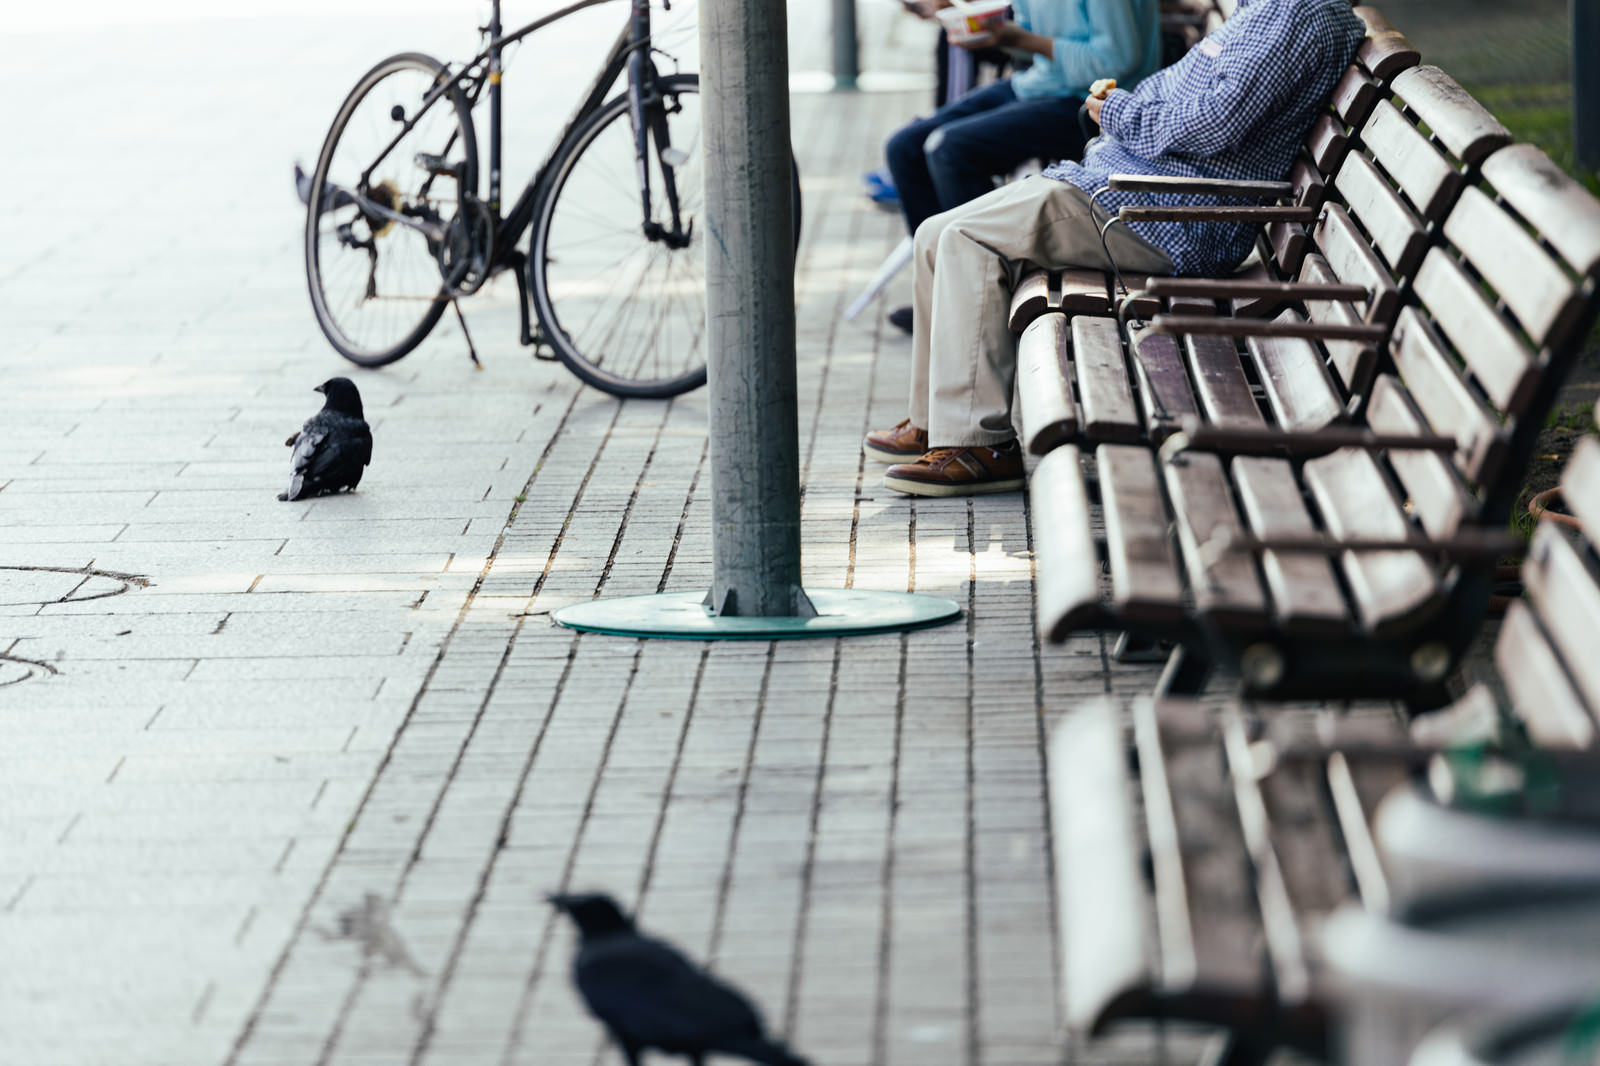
[
  {"x": 1002, "y": 34},
  {"x": 1094, "y": 104},
  {"x": 925, "y": 9}
]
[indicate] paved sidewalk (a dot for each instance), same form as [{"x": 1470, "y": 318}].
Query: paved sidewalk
[{"x": 224, "y": 720}]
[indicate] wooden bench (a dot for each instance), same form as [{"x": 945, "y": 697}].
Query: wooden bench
[
  {"x": 1302, "y": 366},
  {"x": 1347, "y": 561},
  {"x": 1199, "y": 849}
]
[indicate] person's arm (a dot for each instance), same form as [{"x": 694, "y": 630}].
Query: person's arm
[
  {"x": 1254, "y": 72},
  {"x": 1008, "y": 34},
  {"x": 1114, "y": 48}
]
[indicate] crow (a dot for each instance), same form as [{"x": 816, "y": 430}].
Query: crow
[
  {"x": 333, "y": 447},
  {"x": 648, "y": 995}
]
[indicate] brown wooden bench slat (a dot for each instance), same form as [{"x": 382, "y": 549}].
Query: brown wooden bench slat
[
  {"x": 1328, "y": 143},
  {"x": 1200, "y": 860},
  {"x": 1352, "y": 361},
  {"x": 1164, "y": 392},
  {"x": 1357, "y": 787},
  {"x": 1385, "y": 52},
  {"x": 1396, "y": 232},
  {"x": 1532, "y": 285},
  {"x": 1299, "y": 391},
  {"x": 1160, "y": 183},
  {"x": 1351, "y": 259},
  {"x": 1305, "y": 593},
  {"x": 1031, "y": 298},
  {"x": 1084, "y": 292},
  {"x": 1388, "y": 588},
  {"x": 1451, "y": 408},
  {"x": 1354, "y": 95},
  {"x": 1425, "y": 176},
  {"x": 1106, "y": 960},
  {"x": 1558, "y": 207},
  {"x": 1580, "y": 487},
  {"x": 1049, "y": 414},
  {"x": 1566, "y": 595},
  {"x": 1144, "y": 576},
  {"x": 1430, "y": 482},
  {"x": 1288, "y": 241},
  {"x": 1104, "y": 394},
  {"x": 1492, "y": 351},
  {"x": 1463, "y": 125},
  {"x": 1217, "y": 214},
  {"x": 1197, "y": 326},
  {"x": 1310, "y": 185},
  {"x": 1219, "y": 380},
  {"x": 1067, "y": 564},
  {"x": 1246, "y": 287},
  {"x": 1223, "y": 582},
  {"x": 1546, "y": 700}
]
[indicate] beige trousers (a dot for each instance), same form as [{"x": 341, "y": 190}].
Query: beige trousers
[{"x": 966, "y": 263}]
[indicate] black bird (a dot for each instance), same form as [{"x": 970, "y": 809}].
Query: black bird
[
  {"x": 648, "y": 995},
  {"x": 333, "y": 447}
]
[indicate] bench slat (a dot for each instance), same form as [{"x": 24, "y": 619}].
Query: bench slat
[
  {"x": 1084, "y": 292},
  {"x": 1354, "y": 95},
  {"x": 1558, "y": 207},
  {"x": 1462, "y": 124},
  {"x": 1497, "y": 358},
  {"x": 1049, "y": 415},
  {"x": 1451, "y": 408},
  {"x": 1223, "y": 583},
  {"x": 1144, "y": 574},
  {"x": 1299, "y": 391},
  {"x": 1305, "y": 593},
  {"x": 1529, "y": 281},
  {"x": 1385, "y": 52},
  {"x": 1030, "y": 299},
  {"x": 1199, "y": 858},
  {"x": 1541, "y": 692},
  {"x": 1328, "y": 143},
  {"x": 1164, "y": 392},
  {"x": 1425, "y": 176},
  {"x": 1395, "y": 230},
  {"x": 1580, "y": 487},
  {"x": 1430, "y": 482},
  {"x": 1108, "y": 948},
  {"x": 1566, "y": 595},
  {"x": 1066, "y": 562},
  {"x": 1352, "y": 260},
  {"x": 1104, "y": 392},
  {"x": 1389, "y": 588},
  {"x": 1220, "y": 382},
  {"x": 1310, "y": 185}
]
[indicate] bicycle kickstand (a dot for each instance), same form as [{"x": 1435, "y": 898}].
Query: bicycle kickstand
[{"x": 465, "y": 332}]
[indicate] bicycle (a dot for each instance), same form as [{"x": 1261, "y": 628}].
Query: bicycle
[{"x": 616, "y": 290}]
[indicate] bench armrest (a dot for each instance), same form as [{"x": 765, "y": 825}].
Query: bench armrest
[
  {"x": 1228, "y": 326},
  {"x": 1468, "y": 545},
  {"x": 1196, "y": 436},
  {"x": 1217, "y": 214},
  {"x": 1156, "y": 183},
  {"x": 1243, "y": 289}
]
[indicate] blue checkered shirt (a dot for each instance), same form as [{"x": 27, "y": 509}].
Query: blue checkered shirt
[{"x": 1237, "y": 106}]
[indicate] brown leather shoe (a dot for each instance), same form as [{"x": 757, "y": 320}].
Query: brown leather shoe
[
  {"x": 896, "y": 445},
  {"x": 960, "y": 471}
]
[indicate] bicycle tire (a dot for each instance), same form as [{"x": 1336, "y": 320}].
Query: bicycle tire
[
  {"x": 592, "y": 368},
  {"x": 318, "y": 204}
]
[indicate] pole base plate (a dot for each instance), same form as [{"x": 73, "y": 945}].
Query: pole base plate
[{"x": 684, "y": 616}]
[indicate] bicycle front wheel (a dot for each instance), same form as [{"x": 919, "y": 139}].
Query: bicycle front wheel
[
  {"x": 625, "y": 310},
  {"x": 385, "y": 187}
]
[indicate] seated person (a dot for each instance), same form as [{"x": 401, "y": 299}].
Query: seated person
[
  {"x": 952, "y": 156},
  {"x": 1236, "y": 107}
]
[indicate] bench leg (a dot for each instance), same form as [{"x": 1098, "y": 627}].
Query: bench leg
[
  {"x": 1185, "y": 674},
  {"x": 1235, "y": 1048}
]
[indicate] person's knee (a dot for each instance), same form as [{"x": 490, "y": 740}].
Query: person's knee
[
  {"x": 905, "y": 146},
  {"x": 947, "y": 152}
]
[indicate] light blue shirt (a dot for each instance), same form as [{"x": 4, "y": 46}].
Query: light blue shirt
[{"x": 1094, "y": 39}]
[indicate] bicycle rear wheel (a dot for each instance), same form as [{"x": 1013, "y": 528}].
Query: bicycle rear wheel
[
  {"x": 376, "y": 286},
  {"x": 624, "y": 312}
]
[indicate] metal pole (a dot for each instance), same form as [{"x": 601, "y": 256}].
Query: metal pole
[
  {"x": 1586, "y": 81},
  {"x": 846, "y": 45},
  {"x": 755, "y": 439}
]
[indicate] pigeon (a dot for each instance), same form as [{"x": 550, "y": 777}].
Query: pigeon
[
  {"x": 333, "y": 447},
  {"x": 648, "y": 995}
]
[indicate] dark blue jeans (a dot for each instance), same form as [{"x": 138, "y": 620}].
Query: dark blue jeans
[{"x": 953, "y": 155}]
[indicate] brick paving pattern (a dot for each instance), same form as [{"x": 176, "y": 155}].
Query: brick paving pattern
[{"x": 293, "y": 795}]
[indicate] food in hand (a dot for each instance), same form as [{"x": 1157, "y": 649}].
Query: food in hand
[{"x": 1102, "y": 88}]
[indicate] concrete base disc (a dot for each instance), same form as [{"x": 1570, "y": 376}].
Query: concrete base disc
[{"x": 683, "y": 616}]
